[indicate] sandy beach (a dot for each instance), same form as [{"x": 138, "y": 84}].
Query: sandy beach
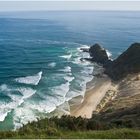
[{"x": 92, "y": 98}]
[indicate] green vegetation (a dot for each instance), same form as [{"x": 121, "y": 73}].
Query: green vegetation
[
  {"x": 106, "y": 134},
  {"x": 71, "y": 127}
]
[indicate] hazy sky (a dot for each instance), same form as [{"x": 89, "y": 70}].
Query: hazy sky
[{"x": 68, "y": 5}]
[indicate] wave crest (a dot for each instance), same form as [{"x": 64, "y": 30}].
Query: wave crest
[
  {"x": 83, "y": 47},
  {"x": 52, "y": 64},
  {"x": 16, "y": 99},
  {"x": 109, "y": 54},
  {"x": 66, "y": 56},
  {"x": 33, "y": 80}
]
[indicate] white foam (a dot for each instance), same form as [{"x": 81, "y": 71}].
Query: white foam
[
  {"x": 17, "y": 100},
  {"x": 81, "y": 54},
  {"x": 59, "y": 93},
  {"x": 5, "y": 108},
  {"x": 83, "y": 76},
  {"x": 44, "y": 106},
  {"x": 108, "y": 53},
  {"x": 83, "y": 62},
  {"x": 68, "y": 78},
  {"x": 3, "y": 116},
  {"x": 23, "y": 115},
  {"x": 88, "y": 70},
  {"x": 30, "y": 112},
  {"x": 4, "y": 87},
  {"x": 83, "y": 47},
  {"x": 66, "y": 56},
  {"x": 52, "y": 65},
  {"x": 61, "y": 90},
  {"x": 66, "y": 69},
  {"x": 33, "y": 80},
  {"x": 26, "y": 92}
]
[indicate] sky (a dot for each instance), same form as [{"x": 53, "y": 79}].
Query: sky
[{"x": 125, "y": 5}]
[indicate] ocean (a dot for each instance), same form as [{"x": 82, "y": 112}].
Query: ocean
[{"x": 40, "y": 67}]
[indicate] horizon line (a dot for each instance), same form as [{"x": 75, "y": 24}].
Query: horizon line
[{"x": 84, "y": 10}]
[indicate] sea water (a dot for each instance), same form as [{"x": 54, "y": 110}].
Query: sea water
[{"x": 40, "y": 67}]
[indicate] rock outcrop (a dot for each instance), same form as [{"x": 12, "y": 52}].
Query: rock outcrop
[
  {"x": 98, "y": 54},
  {"x": 127, "y": 63}
]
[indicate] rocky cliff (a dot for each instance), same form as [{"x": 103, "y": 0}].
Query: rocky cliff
[{"x": 127, "y": 63}]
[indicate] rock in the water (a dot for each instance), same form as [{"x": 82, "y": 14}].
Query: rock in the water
[
  {"x": 98, "y": 54},
  {"x": 127, "y": 63}
]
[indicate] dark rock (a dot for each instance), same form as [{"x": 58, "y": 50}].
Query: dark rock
[
  {"x": 98, "y": 54},
  {"x": 127, "y": 63}
]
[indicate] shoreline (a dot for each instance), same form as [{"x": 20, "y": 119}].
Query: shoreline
[{"x": 95, "y": 92}]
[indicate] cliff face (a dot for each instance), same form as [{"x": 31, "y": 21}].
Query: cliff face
[{"x": 127, "y": 63}]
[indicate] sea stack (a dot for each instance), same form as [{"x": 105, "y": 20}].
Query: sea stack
[{"x": 99, "y": 54}]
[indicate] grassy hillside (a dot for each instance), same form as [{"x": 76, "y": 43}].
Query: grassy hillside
[{"x": 108, "y": 134}]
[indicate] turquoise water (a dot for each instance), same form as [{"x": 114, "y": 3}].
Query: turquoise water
[{"x": 40, "y": 65}]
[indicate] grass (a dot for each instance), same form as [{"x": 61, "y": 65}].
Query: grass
[
  {"x": 106, "y": 134},
  {"x": 100, "y": 134}
]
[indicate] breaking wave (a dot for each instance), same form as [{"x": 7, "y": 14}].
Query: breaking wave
[
  {"x": 66, "y": 69},
  {"x": 52, "y": 65},
  {"x": 66, "y": 56},
  {"x": 83, "y": 47},
  {"x": 109, "y": 54},
  {"x": 33, "y": 80},
  {"x": 16, "y": 99}
]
